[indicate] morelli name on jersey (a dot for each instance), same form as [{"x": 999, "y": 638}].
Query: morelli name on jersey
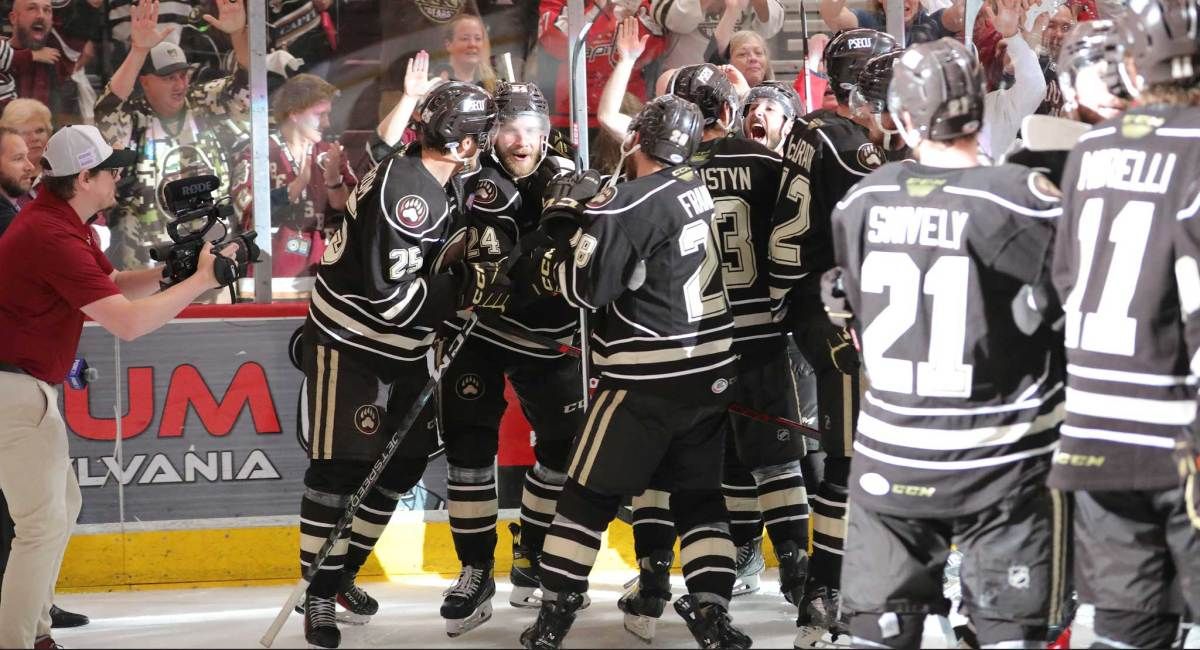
[
  {"x": 379, "y": 288},
  {"x": 648, "y": 261},
  {"x": 963, "y": 406},
  {"x": 742, "y": 176},
  {"x": 824, "y": 155},
  {"x": 1129, "y": 388}
]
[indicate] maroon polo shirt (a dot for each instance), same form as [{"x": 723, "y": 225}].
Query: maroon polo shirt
[{"x": 50, "y": 267}]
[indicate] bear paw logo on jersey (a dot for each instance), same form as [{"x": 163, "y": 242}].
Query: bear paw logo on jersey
[
  {"x": 870, "y": 156},
  {"x": 366, "y": 419},
  {"x": 486, "y": 192},
  {"x": 439, "y": 11},
  {"x": 412, "y": 211},
  {"x": 1018, "y": 576},
  {"x": 602, "y": 199},
  {"x": 469, "y": 387}
]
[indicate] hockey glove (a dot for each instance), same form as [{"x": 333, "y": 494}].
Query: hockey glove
[
  {"x": 833, "y": 294},
  {"x": 564, "y": 203},
  {"x": 482, "y": 285}
]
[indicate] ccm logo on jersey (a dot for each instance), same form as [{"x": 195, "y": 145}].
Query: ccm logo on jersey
[{"x": 412, "y": 211}]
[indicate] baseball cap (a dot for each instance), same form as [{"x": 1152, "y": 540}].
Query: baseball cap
[
  {"x": 80, "y": 147},
  {"x": 164, "y": 59}
]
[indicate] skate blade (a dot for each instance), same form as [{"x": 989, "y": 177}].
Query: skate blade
[
  {"x": 525, "y": 598},
  {"x": 745, "y": 585},
  {"x": 641, "y": 626},
  {"x": 817, "y": 637},
  {"x": 458, "y": 626},
  {"x": 350, "y": 618}
]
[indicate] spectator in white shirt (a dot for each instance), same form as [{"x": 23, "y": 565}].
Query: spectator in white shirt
[{"x": 1005, "y": 108}]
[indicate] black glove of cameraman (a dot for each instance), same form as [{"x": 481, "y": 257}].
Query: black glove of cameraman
[
  {"x": 246, "y": 252},
  {"x": 564, "y": 203},
  {"x": 482, "y": 285}
]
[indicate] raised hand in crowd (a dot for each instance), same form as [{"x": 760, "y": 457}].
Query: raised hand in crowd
[
  {"x": 300, "y": 183},
  {"x": 630, "y": 47},
  {"x": 144, "y": 32},
  {"x": 333, "y": 166},
  {"x": 231, "y": 16},
  {"x": 1008, "y": 17},
  {"x": 629, "y": 44},
  {"x": 416, "y": 76}
]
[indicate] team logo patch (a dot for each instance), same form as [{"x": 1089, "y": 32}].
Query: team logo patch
[
  {"x": 922, "y": 187},
  {"x": 1018, "y": 576},
  {"x": 486, "y": 192},
  {"x": 602, "y": 199},
  {"x": 783, "y": 435},
  {"x": 439, "y": 11},
  {"x": 870, "y": 156},
  {"x": 469, "y": 386},
  {"x": 873, "y": 483},
  {"x": 720, "y": 386},
  {"x": 366, "y": 419},
  {"x": 1139, "y": 126},
  {"x": 412, "y": 211}
]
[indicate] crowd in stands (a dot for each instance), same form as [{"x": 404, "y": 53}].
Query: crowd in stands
[{"x": 170, "y": 80}]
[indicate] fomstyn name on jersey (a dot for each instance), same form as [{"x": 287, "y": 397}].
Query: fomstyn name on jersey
[
  {"x": 908, "y": 225},
  {"x": 1126, "y": 169},
  {"x": 726, "y": 179},
  {"x": 696, "y": 201},
  {"x": 801, "y": 153}
]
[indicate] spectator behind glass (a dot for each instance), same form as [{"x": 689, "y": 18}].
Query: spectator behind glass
[
  {"x": 37, "y": 63},
  {"x": 176, "y": 13},
  {"x": 552, "y": 34},
  {"x": 468, "y": 52},
  {"x": 16, "y": 176},
  {"x": 818, "y": 80},
  {"x": 1060, "y": 23},
  {"x": 1004, "y": 109},
  {"x": 919, "y": 26},
  {"x": 31, "y": 120},
  {"x": 303, "y": 28},
  {"x": 694, "y": 24},
  {"x": 176, "y": 126},
  {"x": 748, "y": 53},
  {"x": 310, "y": 182}
]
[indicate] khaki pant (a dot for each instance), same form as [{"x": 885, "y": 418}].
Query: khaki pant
[{"x": 43, "y": 499}]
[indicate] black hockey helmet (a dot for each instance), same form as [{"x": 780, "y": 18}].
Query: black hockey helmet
[
  {"x": 670, "y": 129},
  {"x": 1093, "y": 42},
  {"x": 514, "y": 99},
  {"x": 706, "y": 86},
  {"x": 871, "y": 90},
  {"x": 941, "y": 87},
  {"x": 1167, "y": 48},
  {"x": 847, "y": 52},
  {"x": 778, "y": 92},
  {"x": 455, "y": 110}
]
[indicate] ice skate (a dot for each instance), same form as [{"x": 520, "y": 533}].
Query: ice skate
[
  {"x": 818, "y": 624},
  {"x": 524, "y": 573},
  {"x": 710, "y": 624},
  {"x": 553, "y": 622},
  {"x": 468, "y": 602},
  {"x": 793, "y": 571},
  {"x": 647, "y": 596},
  {"x": 749, "y": 567},
  {"x": 320, "y": 625}
]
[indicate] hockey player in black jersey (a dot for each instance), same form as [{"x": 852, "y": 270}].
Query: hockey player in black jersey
[
  {"x": 826, "y": 152},
  {"x": 768, "y": 111},
  {"x": 1125, "y": 269},
  {"x": 644, "y": 255},
  {"x": 388, "y": 279},
  {"x": 939, "y": 260},
  {"x": 505, "y": 205},
  {"x": 762, "y": 461}
]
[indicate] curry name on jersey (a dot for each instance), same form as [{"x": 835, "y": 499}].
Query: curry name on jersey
[
  {"x": 1129, "y": 388},
  {"x": 499, "y": 213},
  {"x": 824, "y": 155},
  {"x": 381, "y": 287},
  {"x": 742, "y": 176},
  {"x": 963, "y": 404},
  {"x": 649, "y": 262}
]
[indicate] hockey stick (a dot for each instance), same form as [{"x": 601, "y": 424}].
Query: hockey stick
[
  {"x": 555, "y": 345},
  {"x": 578, "y": 26},
  {"x": 808, "y": 102},
  {"x": 368, "y": 484}
]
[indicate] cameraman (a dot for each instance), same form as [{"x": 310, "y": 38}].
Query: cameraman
[{"x": 55, "y": 274}]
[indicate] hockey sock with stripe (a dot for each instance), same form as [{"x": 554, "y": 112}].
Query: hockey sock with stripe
[
  {"x": 539, "y": 497},
  {"x": 319, "y": 514},
  {"x": 653, "y": 523},
  {"x": 372, "y": 517},
  {"x": 574, "y": 538},
  {"x": 784, "y": 503},
  {"x": 472, "y": 504}
]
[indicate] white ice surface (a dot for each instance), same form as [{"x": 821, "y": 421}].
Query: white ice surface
[{"x": 236, "y": 617}]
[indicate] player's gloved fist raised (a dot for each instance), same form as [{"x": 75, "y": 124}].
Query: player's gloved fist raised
[
  {"x": 482, "y": 285},
  {"x": 563, "y": 205},
  {"x": 833, "y": 295}
]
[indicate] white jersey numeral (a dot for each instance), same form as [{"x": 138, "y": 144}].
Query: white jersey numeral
[
  {"x": 407, "y": 260},
  {"x": 731, "y": 218},
  {"x": 799, "y": 191},
  {"x": 943, "y": 374},
  {"x": 1109, "y": 329},
  {"x": 697, "y": 236}
]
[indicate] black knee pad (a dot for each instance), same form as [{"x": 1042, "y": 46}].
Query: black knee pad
[
  {"x": 889, "y": 630},
  {"x": 340, "y": 477},
  {"x": 402, "y": 473},
  {"x": 1118, "y": 628},
  {"x": 473, "y": 447},
  {"x": 552, "y": 454},
  {"x": 587, "y": 508},
  {"x": 837, "y": 471},
  {"x": 692, "y": 508}
]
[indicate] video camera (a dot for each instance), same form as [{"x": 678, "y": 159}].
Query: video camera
[{"x": 194, "y": 217}]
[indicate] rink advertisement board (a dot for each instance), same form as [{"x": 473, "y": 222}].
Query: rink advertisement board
[{"x": 205, "y": 410}]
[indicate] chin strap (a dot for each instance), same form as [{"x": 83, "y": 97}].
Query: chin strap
[{"x": 625, "y": 153}]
